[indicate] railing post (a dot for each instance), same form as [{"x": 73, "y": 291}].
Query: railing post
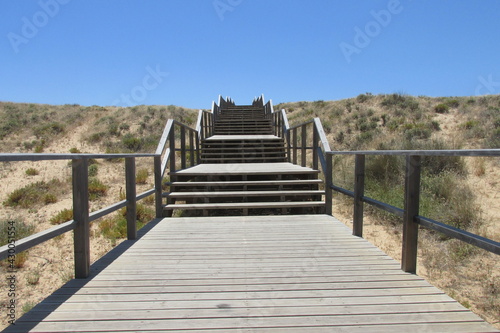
[
  {"x": 173, "y": 153},
  {"x": 158, "y": 187},
  {"x": 410, "y": 227},
  {"x": 191, "y": 148},
  {"x": 315, "y": 147},
  {"x": 303, "y": 154},
  {"x": 328, "y": 184},
  {"x": 359, "y": 192},
  {"x": 81, "y": 233},
  {"x": 183, "y": 147},
  {"x": 131, "y": 198},
  {"x": 294, "y": 160}
]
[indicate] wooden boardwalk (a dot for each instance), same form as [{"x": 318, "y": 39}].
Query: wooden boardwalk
[{"x": 303, "y": 273}]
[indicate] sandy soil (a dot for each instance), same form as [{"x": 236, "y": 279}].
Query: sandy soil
[{"x": 50, "y": 264}]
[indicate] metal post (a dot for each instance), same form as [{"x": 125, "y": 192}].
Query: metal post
[
  {"x": 359, "y": 192},
  {"x": 131, "y": 198},
  {"x": 410, "y": 227},
  {"x": 81, "y": 217}
]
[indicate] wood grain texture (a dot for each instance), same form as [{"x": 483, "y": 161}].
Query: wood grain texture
[{"x": 302, "y": 273}]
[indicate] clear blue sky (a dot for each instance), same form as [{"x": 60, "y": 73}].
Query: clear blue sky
[{"x": 187, "y": 52}]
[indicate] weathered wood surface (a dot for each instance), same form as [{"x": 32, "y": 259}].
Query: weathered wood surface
[
  {"x": 242, "y": 137},
  {"x": 245, "y": 168},
  {"x": 303, "y": 273}
]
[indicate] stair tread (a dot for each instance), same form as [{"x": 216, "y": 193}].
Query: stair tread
[
  {"x": 249, "y": 182},
  {"x": 242, "y": 193},
  {"x": 242, "y": 205}
]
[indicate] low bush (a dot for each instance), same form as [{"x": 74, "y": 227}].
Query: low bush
[
  {"x": 442, "y": 108},
  {"x": 34, "y": 194},
  {"x": 97, "y": 189},
  {"x": 142, "y": 176},
  {"x": 32, "y": 172},
  {"x": 64, "y": 215},
  {"x": 22, "y": 230}
]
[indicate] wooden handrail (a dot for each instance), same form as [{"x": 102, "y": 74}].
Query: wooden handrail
[
  {"x": 410, "y": 213},
  {"x": 323, "y": 155},
  {"x": 81, "y": 216}
]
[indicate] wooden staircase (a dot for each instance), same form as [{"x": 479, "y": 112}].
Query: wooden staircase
[
  {"x": 244, "y": 170},
  {"x": 243, "y": 119}
]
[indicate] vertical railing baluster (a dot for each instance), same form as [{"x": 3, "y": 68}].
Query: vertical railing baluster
[
  {"x": 191, "y": 148},
  {"x": 172, "y": 149},
  {"x": 183, "y": 147},
  {"x": 288, "y": 146},
  {"x": 81, "y": 234},
  {"x": 412, "y": 201},
  {"x": 158, "y": 186},
  {"x": 304, "y": 145},
  {"x": 315, "y": 147},
  {"x": 359, "y": 192},
  {"x": 130, "y": 188},
  {"x": 328, "y": 183},
  {"x": 295, "y": 145}
]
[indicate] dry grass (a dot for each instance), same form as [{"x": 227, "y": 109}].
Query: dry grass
[{"x": 364, "y": 122}]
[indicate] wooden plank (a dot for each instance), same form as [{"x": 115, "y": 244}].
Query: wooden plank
[
  {"x": 242, "y": 193},
  {"x": 81, "y": 233},
  {"x": 241, "y": 205},
  {"x": 245, "y": 168},
  {"x": 251, "y": 273}
]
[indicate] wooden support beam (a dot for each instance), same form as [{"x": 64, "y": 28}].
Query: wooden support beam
[
  {"x": 131, "y": 198},
  {"x": 303, "y": 153},
  {"x": 410, "y": 225},
  {"x": 183, "y": 147},
  {"x": 158, "y": 186},
  {"x": 328, "y": 183},
  {"x": 81, "y": 217},
  {"x": 359, "y": 192}
]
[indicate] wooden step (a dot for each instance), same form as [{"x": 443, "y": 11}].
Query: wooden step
[
  {"x": 251, "y": 159},
  {"x": 248, "y": 183},
  {"x": 254, "y": 153},
  {"x": 245, "y": 205},
  {"x": 241, "y": 194},
  {"x": 277, "y": 168}
]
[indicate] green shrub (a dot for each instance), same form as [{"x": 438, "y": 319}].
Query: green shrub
[
  {"x": 418, "y": 133},
  {"x": 142, "y": 176},
  {"x": 115, "y": 227},
  {"x": 361, "y": 98},
  {"x": 442, "y": 108},
  {"x": 469, "y": 124},
  {"x": 131, "y": 142},
  {"x": 93, "y": 169},
  {"x": 47, "y": 130},
  {"x": 453, "y": 103},
  {"x": 96, "y": 137},
  {"x": 384, "y": 168},
  {"x": 32, "y": 172},
  {"x": 64, "y": 215},
  {"x": 34, "y": 194},
  {"x": 22, "y": 230},
  {"x": 97, "y": 189},
  {"x": 74, "y": 151}
]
